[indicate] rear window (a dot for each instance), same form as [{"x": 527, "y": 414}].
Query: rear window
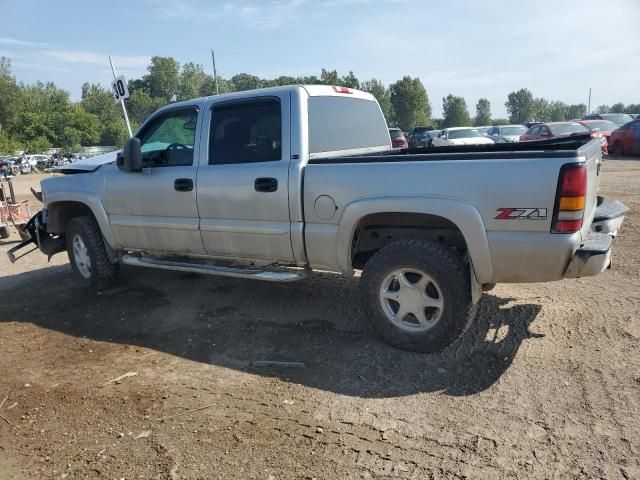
[
  {"x": 513, "y": 130},
  {"x": 562, "y": 128},
  {"x": 395, "y": 133},
  {"x": 342, "y": 123},
  {"x": 466, "y": 133},
  {"x": 617, "y": 118}
]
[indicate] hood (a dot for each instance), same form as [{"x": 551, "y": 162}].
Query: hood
[
  {"x": 470, "y": 141},
  {"x": 88, "y": 164}
]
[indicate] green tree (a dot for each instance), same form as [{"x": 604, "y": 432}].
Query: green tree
[
  {"x": 8, "y": 145},
  {"x": 617, "y": 108},
  {"x": 37, "y": 145},
  {"x": 557, "y": 111},
  {"x": 541, "y": 110},
  {"x": 10, "y": 95},
  {"x": 576, "y": 111},
  {"x": 244, "y": 81},
  {"x": 633, "y": 108},
  {"x": 520, "y": 106},
  {"x": 378, "y": 90},
  {"x": 163, "y": 79},
  {"x": 141, "y": 104},
  {"x": 603, "y": 109},
  {"x": 329, "y": 77},
  {"x": 500, "y": 121},
  {"x": 483, "y": 113},
  {"x": 350, "y": 81},
  {"x": 192, "y": 80},
  {"x": 455, "y": 112},
  {"x": 409, "y": 103}
]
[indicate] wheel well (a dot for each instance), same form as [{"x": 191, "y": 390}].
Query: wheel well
[
  {"x": 378, "y": 230},
  {"x": 60, "y": 213}
]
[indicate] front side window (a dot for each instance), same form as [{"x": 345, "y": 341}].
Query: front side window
[
  {"x": 168, "y": 140},
  {"x": 246, "y": 132}
]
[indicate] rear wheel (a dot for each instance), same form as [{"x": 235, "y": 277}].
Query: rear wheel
[
  {"x": 88, "y": 254},
  {"x": 417, "y": 295}
]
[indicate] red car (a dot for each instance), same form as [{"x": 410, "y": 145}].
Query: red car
[
  {"x": 604, "y": 129},
  {"x": 553, "y": 129},
  {"x": 626, "y": 139},
  {"x": 397, "y": 138}
]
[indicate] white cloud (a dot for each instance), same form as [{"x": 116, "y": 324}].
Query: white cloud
[
  {"x": 265, "y": 14},
  {"x": 22, "y": 43},
  {"x": 95, "y": 58}
]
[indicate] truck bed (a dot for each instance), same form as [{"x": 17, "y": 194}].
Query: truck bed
[{"x": 549, "y": 148}]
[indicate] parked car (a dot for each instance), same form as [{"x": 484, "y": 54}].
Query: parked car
[
  {"x": 602, "y": 128},
  {"x": 532, "y": 124},
  {"x": 617, "y": 118},
  {"x": 553, "y": 129},
  {"x": 460, "y": 136},
  {"x": 484, "y": 130},
  {"x": 416, "y": 136},
  {"x": 635, "y": 115},
  {"x": 626, "y": 139},
  {"x": 506, "y": 133},
  {"x": 397, "y": 138},
  {"x": 305, "y": 177}
]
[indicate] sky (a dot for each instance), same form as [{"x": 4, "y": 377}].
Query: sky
[{"x": 469, "y": 48}]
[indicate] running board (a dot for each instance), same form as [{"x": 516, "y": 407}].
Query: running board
[{"x": 207, "y": 269}]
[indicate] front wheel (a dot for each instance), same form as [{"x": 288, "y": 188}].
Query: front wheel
[
  {"x": 417, "y": 295},
  {"x": 88, "y": 254}
]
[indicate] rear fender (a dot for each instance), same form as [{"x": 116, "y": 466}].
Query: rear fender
[{"x": 464, "y": 216}]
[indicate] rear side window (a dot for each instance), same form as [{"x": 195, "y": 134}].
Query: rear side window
[
  {"x": 246, "y": 132},
  {"x": 342, "y": 123}
]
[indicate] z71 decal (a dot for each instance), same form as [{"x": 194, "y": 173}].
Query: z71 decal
[{"x": 522, "y": 214}]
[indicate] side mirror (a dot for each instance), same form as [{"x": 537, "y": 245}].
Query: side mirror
[{"x": 130, "y": 159}]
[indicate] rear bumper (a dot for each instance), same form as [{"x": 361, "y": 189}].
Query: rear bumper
[{"x": 593, "y": 256}]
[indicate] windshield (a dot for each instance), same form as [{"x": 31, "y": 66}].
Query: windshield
[
  {"x": 395, "y": 133},
  {"x": 512, "y": 131},
  {"x": 617, "y": 118},
  {"x": 604, "y": 125},
  {"x": 563, "y": 128},
  {"x": 466, "y": 133}
]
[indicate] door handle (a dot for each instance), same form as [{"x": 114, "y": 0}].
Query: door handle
[
  {"x": 183, "y": 185},
  {"x": 266, "y": 184}
]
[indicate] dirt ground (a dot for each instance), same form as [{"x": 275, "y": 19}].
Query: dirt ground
[{"x": 546, "y": 384}]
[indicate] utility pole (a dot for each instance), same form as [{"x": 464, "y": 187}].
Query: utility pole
[
  {"x": 589, "y": 107},
  {"x": 215, "y": 74}
]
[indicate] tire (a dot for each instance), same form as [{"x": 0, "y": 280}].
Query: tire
[
  {"x": 438, "y": 274},
  {"x": 4, "y": 232},
  {"x": 88, "y": 254},
  {"x": 618, "y": 148}
]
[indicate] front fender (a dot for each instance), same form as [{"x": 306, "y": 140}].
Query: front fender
[
  {"x": 90, "y": 200},
  {"x": 462, "y": 215}
]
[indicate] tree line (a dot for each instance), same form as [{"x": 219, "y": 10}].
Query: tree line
[{"x": 40, "y": 116}]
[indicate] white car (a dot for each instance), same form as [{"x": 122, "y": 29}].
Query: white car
[{"x": 460, "y": 136}]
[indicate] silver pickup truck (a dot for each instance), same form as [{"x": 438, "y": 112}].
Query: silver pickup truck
[{"x": 272, "y": 184}]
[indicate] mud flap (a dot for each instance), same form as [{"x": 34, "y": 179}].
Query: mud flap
[{"x": 476, "y": 288}]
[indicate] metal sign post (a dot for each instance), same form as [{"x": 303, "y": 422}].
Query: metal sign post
[
  {"x": 215, "y": 74},
  {"x": 120, "y": 93}
]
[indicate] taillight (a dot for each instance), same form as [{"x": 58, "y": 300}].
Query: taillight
[
  {"x": 570, "y": 199},
  {"x": 338, "y": 89}
]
